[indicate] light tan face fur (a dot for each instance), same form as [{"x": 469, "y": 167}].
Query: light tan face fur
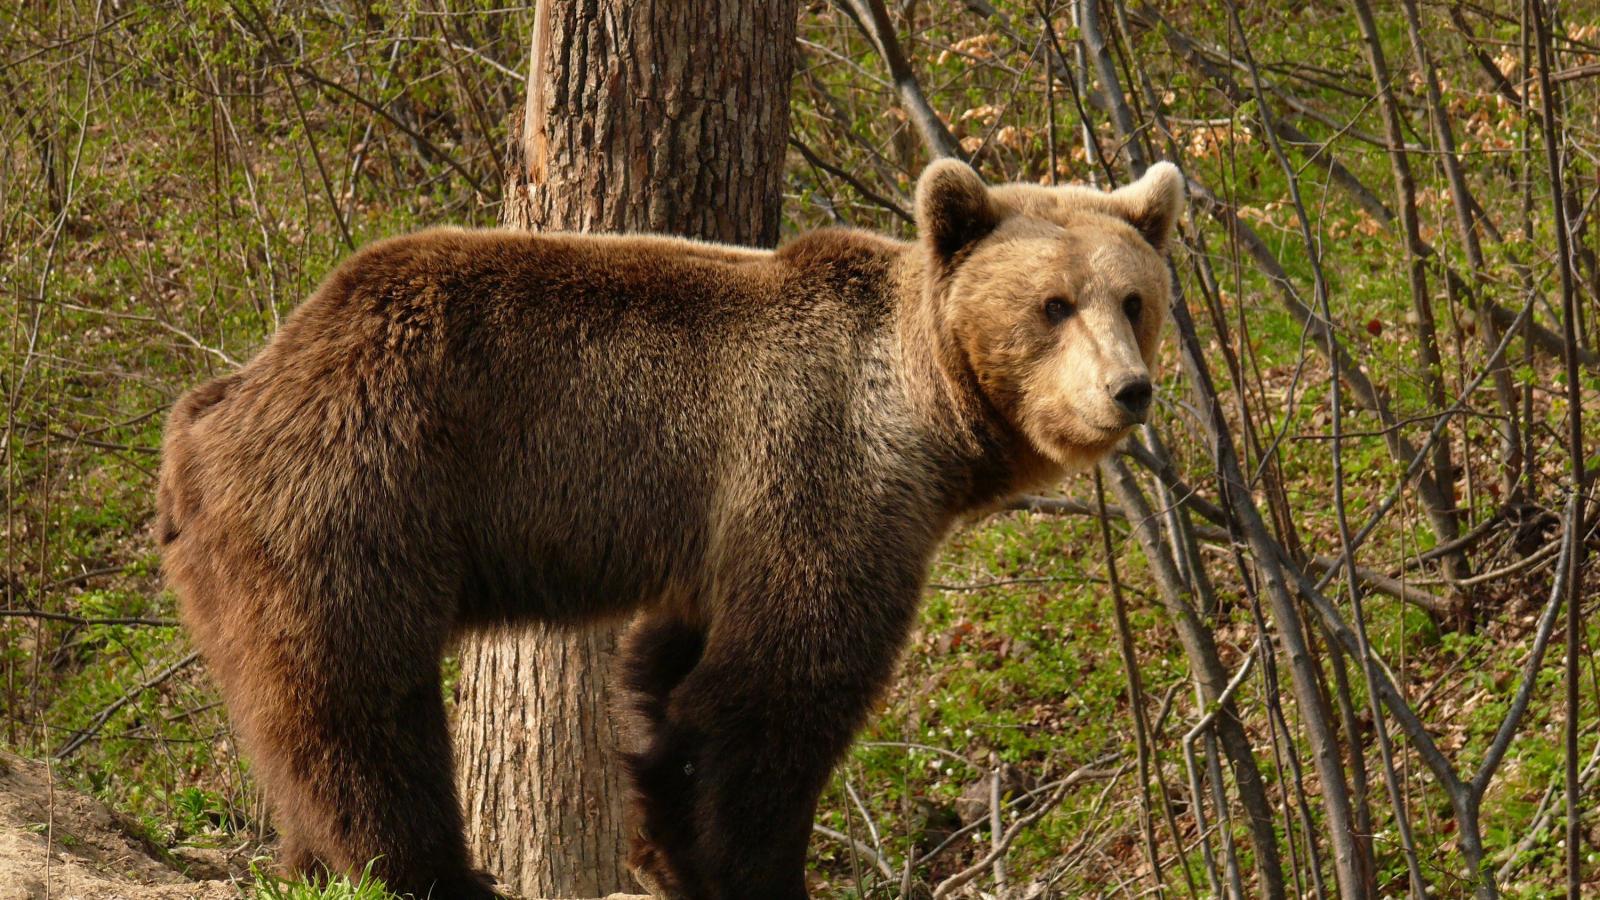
[{"x": 1038, "y": 295}]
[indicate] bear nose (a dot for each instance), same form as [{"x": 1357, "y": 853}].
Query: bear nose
[{"x": 1133, "y": 395}]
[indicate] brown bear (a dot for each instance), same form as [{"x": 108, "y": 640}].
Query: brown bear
[{"x": 756, "y": 451}]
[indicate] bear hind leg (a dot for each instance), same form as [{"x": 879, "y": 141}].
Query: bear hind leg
[
  {"x": 396, "y": 805},
  {"x": 359, "y": 768}
]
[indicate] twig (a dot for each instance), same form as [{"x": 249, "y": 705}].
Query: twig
[
  {"x": 1575, "y": 452},
  {"x": 995, "y": 824},
  {"x": 1541, "y": 819},
  {"x": 396, "y": 121},
  {"x": 1436, "y": 606},
  {"x": 82, "y": 736},
  {"x": 872, "y": 827},
  {"x": 876, "y": 858},
  {"x": 1066, "y": 506},
  {"x": 87, "y": 441},
  {"x": 950, "y": 885},
  {"x": 860, "y": 186},
  {"x": 81, "y": 577},
  {"x": 86, "y": 620},
  {"x": 1136, "y": 699}
]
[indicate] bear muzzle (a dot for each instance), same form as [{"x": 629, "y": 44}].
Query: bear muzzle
[{"x": 1132, "y": 394}]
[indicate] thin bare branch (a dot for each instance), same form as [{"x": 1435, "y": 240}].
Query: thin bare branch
[{"x": 874, "y": 22}]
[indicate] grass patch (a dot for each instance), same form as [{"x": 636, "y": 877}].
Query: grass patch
[{"x": 366, "y": 886}]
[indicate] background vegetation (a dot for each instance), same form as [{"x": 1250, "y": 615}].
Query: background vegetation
[{"x": 1311, "y": 599}]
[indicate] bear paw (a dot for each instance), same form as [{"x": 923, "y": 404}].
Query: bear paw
[{"x": 650, "y": 868}]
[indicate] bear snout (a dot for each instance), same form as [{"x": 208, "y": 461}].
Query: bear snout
[{"x": 1132, "y": 394}]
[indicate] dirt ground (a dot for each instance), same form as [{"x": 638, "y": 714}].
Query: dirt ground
[{"x": 58, "y": 843}]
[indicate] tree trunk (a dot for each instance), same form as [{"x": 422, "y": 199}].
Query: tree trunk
[{"x": 667, "y": 117}]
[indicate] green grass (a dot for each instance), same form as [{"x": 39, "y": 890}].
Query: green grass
[{"x": 366, "y": 886}]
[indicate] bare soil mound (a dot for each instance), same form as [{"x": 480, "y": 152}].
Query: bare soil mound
[{"x": 58, "y": 843}]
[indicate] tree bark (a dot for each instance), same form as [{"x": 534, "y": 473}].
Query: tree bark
[{"x": 664, "y": 117}]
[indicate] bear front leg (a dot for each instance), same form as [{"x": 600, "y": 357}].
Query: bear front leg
[
  {"x": 754, "y": 731},
  {"x": 658, "y": 653}
]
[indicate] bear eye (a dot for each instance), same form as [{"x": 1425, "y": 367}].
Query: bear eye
[
  {"x": 1132, "y": 305},
  {"x": 1058, "y": 310}
]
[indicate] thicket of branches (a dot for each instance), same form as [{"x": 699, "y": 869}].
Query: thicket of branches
[{"x": 1363, "y": 510}]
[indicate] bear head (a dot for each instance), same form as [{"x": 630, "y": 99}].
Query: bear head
[{"x": 1052, "y": 298}]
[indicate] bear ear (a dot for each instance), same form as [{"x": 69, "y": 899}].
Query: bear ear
[
  {"x": 1153, "y": 203},
  {"x": 953, "y": 207}
]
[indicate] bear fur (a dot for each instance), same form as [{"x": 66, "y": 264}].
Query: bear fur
[{"x": 756, "y": 452}]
